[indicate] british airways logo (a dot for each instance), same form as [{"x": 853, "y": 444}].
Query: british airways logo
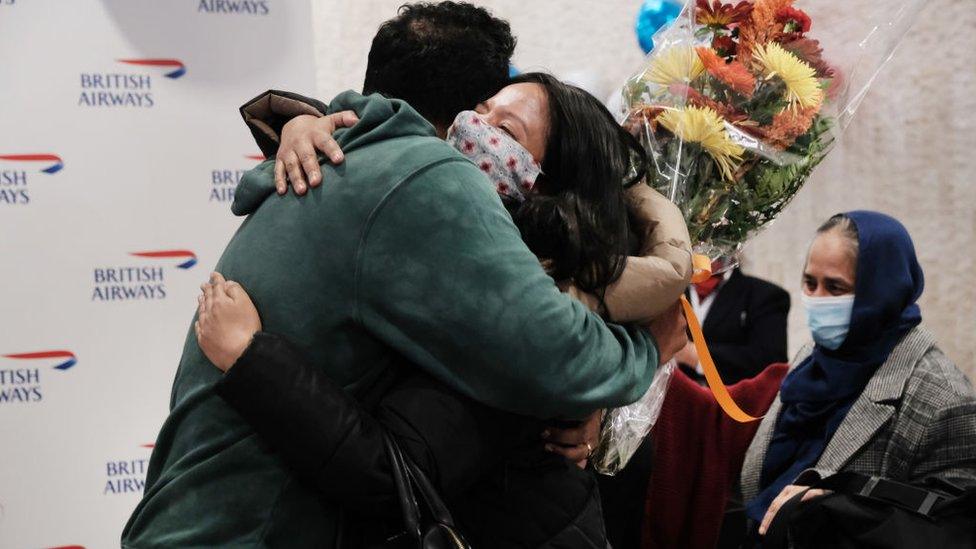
[
  {"x": 186, "y": 258},
  {"x": 17, "y": 170},
  {"x": 127, "y": 476},
  {"x": 235, "y": 7},
  {"x": 223, "y": 182},
  {"x": 140, "y": 282},
  {"x": 127, "y": 89},
  {"x": 20, "y": 373},
  {"x": 51, "y": 163},
  {"x": 63, "y": 359},
  {"x": 175, "y": 67}
]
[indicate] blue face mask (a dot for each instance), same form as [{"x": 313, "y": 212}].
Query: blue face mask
[{"x": 829, "y": 319}]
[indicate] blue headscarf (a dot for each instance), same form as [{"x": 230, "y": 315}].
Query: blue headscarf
[{"x": 818, "y": 393}]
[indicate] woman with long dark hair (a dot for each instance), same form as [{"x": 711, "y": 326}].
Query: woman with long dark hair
[{"x": 561, "y": 165}]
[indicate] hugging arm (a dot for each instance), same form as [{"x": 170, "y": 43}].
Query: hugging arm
[
  {"x": 267, "y": 114},
  {"x": 446, "y": 280},
  {"x": 269, "y": 117},
  {"x": 653, "y": 281},
  {"x": 332, "y": 442}
]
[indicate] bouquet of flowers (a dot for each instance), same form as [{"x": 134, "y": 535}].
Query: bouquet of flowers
[{"x": 738, "y": 103}]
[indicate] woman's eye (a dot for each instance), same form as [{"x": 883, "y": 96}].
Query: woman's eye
[
  {"x": 834, "y": 289},
  {"x": 508, "y": 131}
]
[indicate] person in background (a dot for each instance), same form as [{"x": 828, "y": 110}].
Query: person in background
[
  {"x": 744, "y": 322},
  {"x": 874, "y": 394}
]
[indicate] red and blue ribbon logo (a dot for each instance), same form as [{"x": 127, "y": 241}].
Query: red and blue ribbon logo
[
  {"x": 68, "y": 358},
  {"x": 55, "y": 160},
  {"x": 179, "y": 69},
  {"x": 189, "y": 257}
]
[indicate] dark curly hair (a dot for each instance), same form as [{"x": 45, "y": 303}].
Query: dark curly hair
[
  {"x": 441, "y": 58},
  {"x": 579, "y": 220}
]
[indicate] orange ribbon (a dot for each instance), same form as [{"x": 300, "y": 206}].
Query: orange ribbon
[{"x": 708, "y": 365}]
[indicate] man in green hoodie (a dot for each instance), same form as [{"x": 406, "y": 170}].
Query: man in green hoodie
[{"x": 404, "y": 253}]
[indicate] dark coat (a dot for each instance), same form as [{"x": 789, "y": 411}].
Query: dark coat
[
  {"x": 503, "y": 488},
  {"x": 746, "y": 327}
]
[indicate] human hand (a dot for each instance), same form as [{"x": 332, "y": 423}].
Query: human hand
[
  {"x": 688, "y": 355},
  {"x": 670, "y": 332},
  {"x": 300, "y": 137},
  {"x": 226, "y": 321},
  {"x": 575, "y": 443},
  {"x": 784, "y": 496}
]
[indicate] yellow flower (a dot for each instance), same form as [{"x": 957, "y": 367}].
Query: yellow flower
[
  {"x": 678, "y": 64},
  {"x": 802, "y": 86},
  {"x": 704, "y": 126}
]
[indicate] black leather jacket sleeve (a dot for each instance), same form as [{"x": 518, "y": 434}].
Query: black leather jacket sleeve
[
  {"x": 332, "y": 442},
  {"x": 267, "y": 114}
]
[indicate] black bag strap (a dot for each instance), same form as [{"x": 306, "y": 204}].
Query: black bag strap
[
  {"x": 889, "y": 492},
  {"x": 405, "y": 495},
  {"x": 910, "y": 498},
  {"x": 411, "y": 481}
]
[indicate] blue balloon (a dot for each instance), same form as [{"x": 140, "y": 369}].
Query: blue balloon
[
  {"x": 653, "y": 15},
  {"x": 513, "y": 71}
]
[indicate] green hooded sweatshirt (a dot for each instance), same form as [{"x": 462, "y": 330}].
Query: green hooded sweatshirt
[{"x": 404, "y": 251}]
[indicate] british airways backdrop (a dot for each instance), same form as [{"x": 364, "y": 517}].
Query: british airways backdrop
[{"x": 120, "y": 150}]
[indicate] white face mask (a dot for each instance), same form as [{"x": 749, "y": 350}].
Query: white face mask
[
  {"x": 829, "y": 319},
  {"x": 506, "y": 163}
]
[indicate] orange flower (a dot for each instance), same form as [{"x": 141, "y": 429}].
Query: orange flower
[
  {"x": 788, "y": 125},
  {"x": 762, "y": 27},
  {"x": 713, "y": 13},
  {"x": 734, "y": 75}
]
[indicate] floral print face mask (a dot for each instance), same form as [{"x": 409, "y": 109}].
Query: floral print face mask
[{"x": 508, "y": 165}]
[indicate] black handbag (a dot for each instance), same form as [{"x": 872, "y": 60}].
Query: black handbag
[
  {"x": 865, "y": 511},
  {"x": 428, "y": 522}
]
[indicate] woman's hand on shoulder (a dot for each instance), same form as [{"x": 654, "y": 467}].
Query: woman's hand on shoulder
[
  {"x": 300, "y": 138},
  {"x": 226, "y": 321}
]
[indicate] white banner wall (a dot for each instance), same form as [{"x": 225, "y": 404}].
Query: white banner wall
[{"x": 120, "y": 146}]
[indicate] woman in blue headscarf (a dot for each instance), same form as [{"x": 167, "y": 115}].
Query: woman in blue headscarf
[{"x": 874, "y": 394}]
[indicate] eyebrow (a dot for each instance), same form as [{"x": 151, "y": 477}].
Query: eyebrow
[
  {"x": 521, "y": 122},
  {"x": 830, "y": 279}
]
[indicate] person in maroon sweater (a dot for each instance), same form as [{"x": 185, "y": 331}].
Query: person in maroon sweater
[{"x": 695, "y": 458}]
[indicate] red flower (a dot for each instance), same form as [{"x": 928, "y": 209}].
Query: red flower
[
  {"x": 713, "y": 13},
  {"x": 724, "y": 45},
  {"x": 485, "y": 166},
  {"x": 493, "y": 141},
  {"x": 468, "y": 145},
  {"x": 795, "y": 22},
  {"x": 501, "y": 187},
  {"x": 528, "y": 184},
  {"x": 809, "y": 50},
  {"x": 512, "y": 163}
]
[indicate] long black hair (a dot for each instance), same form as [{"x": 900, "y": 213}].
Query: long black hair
[{"x": 578, "y": 220}]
